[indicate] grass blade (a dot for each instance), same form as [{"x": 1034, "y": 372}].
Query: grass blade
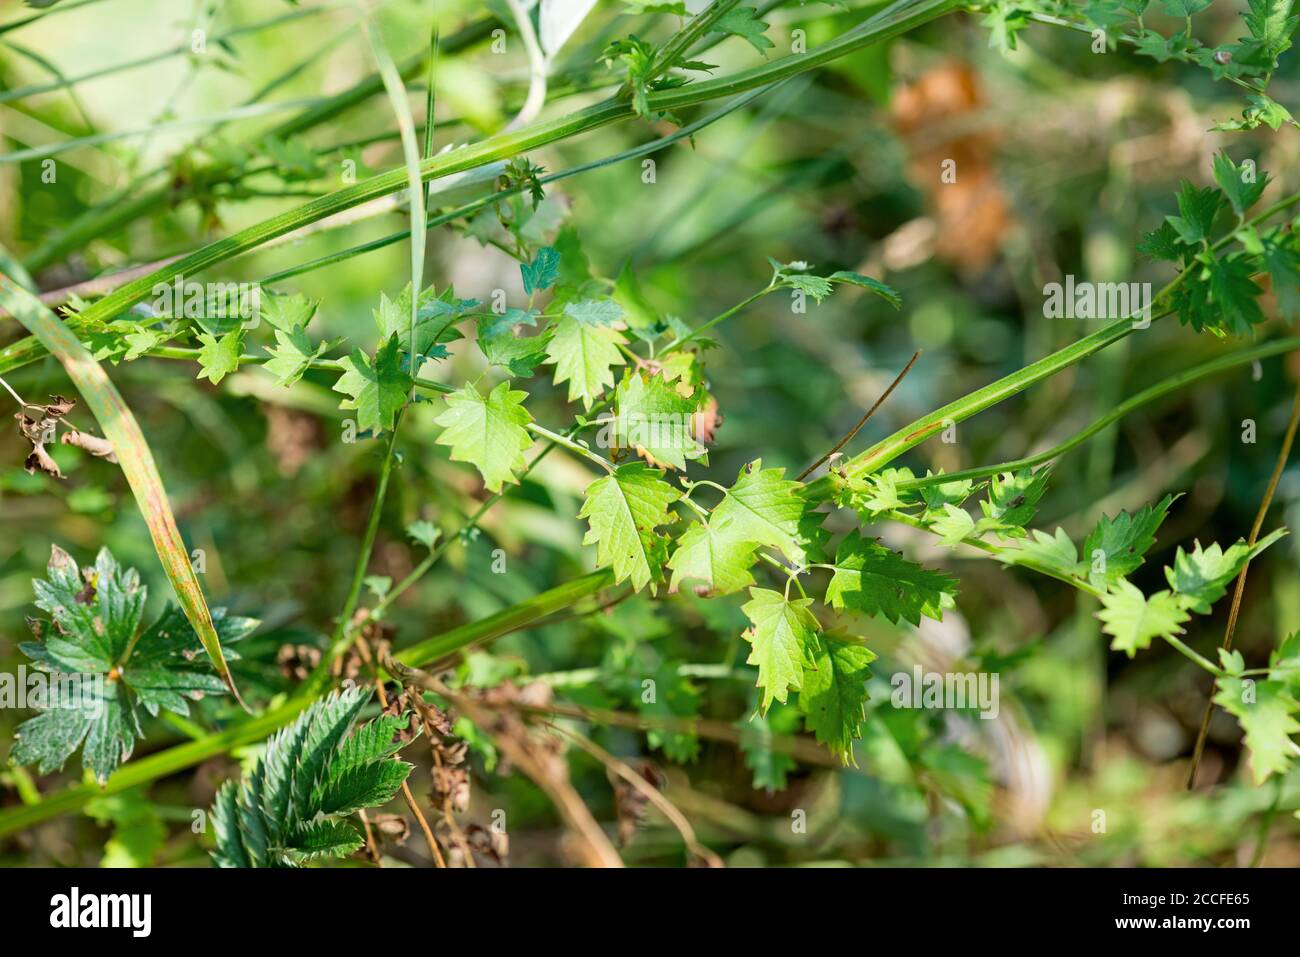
[{"x": 122, "y": 430}]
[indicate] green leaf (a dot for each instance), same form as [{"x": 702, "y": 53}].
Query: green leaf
[
  {"x": 1197, "y": 210},
  {"x": 287, "y": 313},
  {"x": 954, "y": 526},
  {"x": 288, "y": 808},
  {"x": 595, "y": 312},
  {"x": 292, "y": 355},
  {"x": 220, "y": 357},
  {"x": 489, "y": 432},
  {"x": 424, "y": 532},
  {"x": 435, "y": 322},
  {"x": 623, "y": 511},
  {"x": 1055, "y": 552},
  {"x": 377, "y": 391},
  {"x": 1239, "y": 183},
  {"x": 783, "y": 636},
  {"x": 654, "y": 418},
  {"x": 1133, "y": 619},
  {"x": 744, "y": 22},
  {"x": 887, "y": 293},
  {"x": 1200, "y": 577},
  {"x": 674, "y": 698},
  {"x": 518, "y": 355},
  {"x": 716, "y": 556},
  {"x": 1283, "y": 265},
  {"x": 771, "y": 768},
  {"x": 1114, "y": 549},
  {"x": 834, "y": 693},
  {"x": 876, "y": 580},
  {"x": 1267, "y": 712},
  {"x": 104, "y": 665},
  {"x": 583, "y": 356},
  {"x": 542, "y": 272},
  {"x": 766, "y": 508},
  {"x": 1013, "y": 500}
]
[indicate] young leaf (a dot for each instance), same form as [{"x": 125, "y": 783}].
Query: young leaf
[
  {"x": 1201, "y": 577},
  {"x": 1239, "y": 183},
  {"x": 1267, "y": 713},
  {"x": 876, "y": 580},
  {"x": 219, "y": 356},
  {"x": 583, "y": 356},
  {"x": 1133, "y": 619},
  {"x": 623, "y": 511},
  {"x": 377, "y": 390},
  {"x": 783, "y": 637},
  {"x": 657, "y": 420},
  {"x": 1114, "y": 549},
  {"x": 542, "y": 272},
  {"x": 489, "y": 432}
]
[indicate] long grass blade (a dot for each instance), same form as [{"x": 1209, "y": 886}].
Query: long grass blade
[{"x": 122, "y": 430}]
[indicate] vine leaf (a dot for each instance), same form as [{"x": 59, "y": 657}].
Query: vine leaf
[
  {"x": 583, "y": 355},
  {"x": 219, "y": 357},
  {"x": 290, "y": 807},
  {"x": 764, "y": 507},
  {"x": 1133, "y": 619},
  {"x": 488, "y": 432},
  {"x": 657, "y": 420},
  {"x": 1266, "y": 711},
  {"x": 783, "y": 637},
  {"x": 376, "y": 390},
  {"x": 123, "y": 433},
  {"x": 623, "y": 510},
  {"x": 108, "y": 665},
  {"x": 1201, "y": 576},
  {"x": 293, "y": 353},
  {"x": 876, "y": 580},
  {"x": 717, "y": 555},
  {"x": 834, "y": 694},
  {"x": 1114, "y": 549}
]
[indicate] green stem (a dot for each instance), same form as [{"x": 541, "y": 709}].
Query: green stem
[{"x": 571, "y": 445}]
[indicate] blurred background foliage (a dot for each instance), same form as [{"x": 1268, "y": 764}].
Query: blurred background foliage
[{"x": 1064, "y": 158}]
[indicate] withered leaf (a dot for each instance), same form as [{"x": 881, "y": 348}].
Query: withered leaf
[{"x": 94, "y": 444}]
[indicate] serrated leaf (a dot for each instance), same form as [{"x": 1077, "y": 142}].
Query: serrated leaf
[
  {"x": 783, "y": 637},
  {"x": 623, "y": 511},
  {"x": 1239, "y": 183},
  {"x": 876, "y": 580},
  {"x": 715, "y": 557},
  {"x": 1197, "y": 209},
  {"x": 764, "y": 507},
  {"x": 378, "y": 390},
  {"x": 834, "y": 693},
  {"x": 219, "y": 357},
  {"x": 1114, "y": 548},
  {"x": 488, "y": 432},
  {"x": 292, "y": 355},
  {"x": 654, "y": 418},
  {"x": 542, "y": 271},
  {"x": 1200, "y": 577},
  {"x": 583, "y": 356},
  {"x": 1267, "y": 712},
  {"x": 1133, "y": 619}
]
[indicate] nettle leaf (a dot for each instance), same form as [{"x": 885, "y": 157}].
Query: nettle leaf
[
  {"x": 1201, "y": 577},
  {"x": 783, "y": 635},
  {"x": 1239, "y": 183},
  {"x": 377, "y": 390},
  {"x": 104, "y": 665},
  {"x": 876, "y": 580},
  {"x": 1133, "y": 619},
  {"x": 583, "y": 356},
  {"x": 765, "y": 507},
  {"x": 654, "y": 418},
  {"x": 834, "y": 693},
  {"x": 1267, "y": 713},
  {"x": 1114, "y": 549},
  {"x": 291, "y": 807},
  {"x": 623, "y": 511},
  {"x": 488, "y": 432},
  {"x": 218, "y": 357},
  {"x": 715, "y": 555}
]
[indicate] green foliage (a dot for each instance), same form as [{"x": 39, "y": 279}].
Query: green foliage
[
  {"x": 489, "y": 432},
  {"x": 105, "y": 665},
  {"x": 624, "y": 510},
  {"x": 292, "y": 806}
]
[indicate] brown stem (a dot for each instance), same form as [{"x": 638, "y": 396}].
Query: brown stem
[
  {"x": 1287, "y": 439},
  {"x": 862, "y": 421}
]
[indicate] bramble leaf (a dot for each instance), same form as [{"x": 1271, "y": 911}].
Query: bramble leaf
[
  {"x": 783, "y": 637},
  {"x": 583, "y": 356},
  {"x": 623, "y": 511}
]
